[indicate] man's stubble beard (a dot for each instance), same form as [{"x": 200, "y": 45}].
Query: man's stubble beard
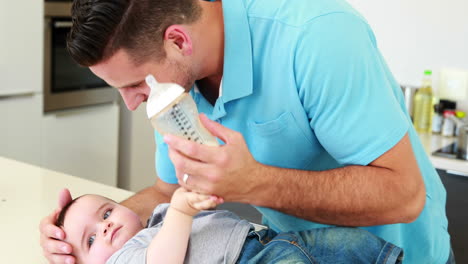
[{"x": 184, "y": 76}]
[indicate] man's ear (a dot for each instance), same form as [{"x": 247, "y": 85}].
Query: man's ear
[{"x": 177, "y": 37}]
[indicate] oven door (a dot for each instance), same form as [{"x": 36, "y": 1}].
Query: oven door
[{"x": 66, "y": 84}]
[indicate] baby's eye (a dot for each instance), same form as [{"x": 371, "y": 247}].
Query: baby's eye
[
  {"x": 91, "y": 240},
  {"x": 107, "y": 214}
]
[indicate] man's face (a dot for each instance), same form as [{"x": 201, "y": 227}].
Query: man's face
[
  {"x": 97, "y": 227},
  {"x": 119, "y": 71}
]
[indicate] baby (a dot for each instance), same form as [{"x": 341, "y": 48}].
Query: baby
[{"x": 102, "y": 231}]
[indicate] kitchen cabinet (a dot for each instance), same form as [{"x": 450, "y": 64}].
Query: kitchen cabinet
[
  {"x": 82, "y": 142},
  {"x": 21, "y": 79},
  {"x": 21, "y": 46},
  {"x": 20, "y": 133},
  {"x": 457, "y": 213},
  {"x": 454, "y": 176}
]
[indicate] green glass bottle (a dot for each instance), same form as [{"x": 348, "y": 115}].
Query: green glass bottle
[{"x": 423, "y": 100}]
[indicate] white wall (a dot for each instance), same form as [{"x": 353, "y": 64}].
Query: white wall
[{"x": 415, "y": 35}]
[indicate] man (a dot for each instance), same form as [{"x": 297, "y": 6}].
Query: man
[{"x": 314, "y": 126}]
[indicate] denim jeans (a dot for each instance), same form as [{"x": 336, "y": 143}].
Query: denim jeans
[
  {"x": 324, "y": 245},
  {"x": 451, "y": 259}
]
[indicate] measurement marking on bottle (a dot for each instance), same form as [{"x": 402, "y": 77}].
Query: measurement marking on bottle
[{"x": 184, "y": 124}]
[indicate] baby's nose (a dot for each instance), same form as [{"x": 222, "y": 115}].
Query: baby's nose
[{"x": 107, "y": 227}]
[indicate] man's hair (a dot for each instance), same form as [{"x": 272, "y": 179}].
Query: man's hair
[{"x": 101, "y": 27}]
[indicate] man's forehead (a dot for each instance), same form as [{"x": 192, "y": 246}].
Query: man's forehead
[{"x": 120, "y": 70}]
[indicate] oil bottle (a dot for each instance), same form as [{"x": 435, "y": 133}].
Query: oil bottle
[{"x": 423, "y": 101}]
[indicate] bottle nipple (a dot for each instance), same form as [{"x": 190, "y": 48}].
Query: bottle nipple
[{"x": 161, "y": 95}]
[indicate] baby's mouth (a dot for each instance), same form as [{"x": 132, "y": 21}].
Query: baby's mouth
[{"x": 114, "y": 233}]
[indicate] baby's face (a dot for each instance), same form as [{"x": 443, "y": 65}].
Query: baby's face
[{"x": 97, "y": 227}]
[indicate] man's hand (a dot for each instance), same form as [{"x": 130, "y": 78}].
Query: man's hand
[
  {"x": 226, "y": 171},
  {"x": 56, "y": 251},
  {"x": 190, "y": 203}
]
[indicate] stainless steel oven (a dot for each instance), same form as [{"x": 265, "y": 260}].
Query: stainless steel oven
[{"x": 66, "y": 84}]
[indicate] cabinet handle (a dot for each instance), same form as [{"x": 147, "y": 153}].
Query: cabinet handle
[
  {"x": 459, "y": 173},
  {"x": 63, "y": 24},
  {"x": 16, "y": 95}
]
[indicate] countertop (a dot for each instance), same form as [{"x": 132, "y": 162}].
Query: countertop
[
  {"x": 432, "y": 143},
  {"x": 28, "y": 193}
]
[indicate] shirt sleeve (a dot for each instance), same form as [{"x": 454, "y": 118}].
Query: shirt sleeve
[
  {"x": 128, "y": 255},
  {"x": 347, "y": 90},
  {"x": 164, "y": 167}
]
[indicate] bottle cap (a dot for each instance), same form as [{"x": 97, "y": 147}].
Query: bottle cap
[
  {"x": 161, "y": 95},
  {"x": 447, "y": 104},
  {"x": 427, "y": 72},
  {"x": 460, "y": 114}
]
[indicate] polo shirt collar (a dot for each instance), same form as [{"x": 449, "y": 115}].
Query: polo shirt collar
[{"x": 237, "y": 68}]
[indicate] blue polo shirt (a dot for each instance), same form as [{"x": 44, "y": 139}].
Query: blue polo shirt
[{"x": 306, "y": 85}]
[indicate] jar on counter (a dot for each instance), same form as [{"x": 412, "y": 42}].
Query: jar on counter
[
  {"x": 448, "y": 127},
  {"x": 437, "y": 119}
]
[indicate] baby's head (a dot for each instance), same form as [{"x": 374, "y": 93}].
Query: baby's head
[{"x": 96, "y": 227}]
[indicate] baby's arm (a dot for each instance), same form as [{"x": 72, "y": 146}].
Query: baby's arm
[{"x": 170, "y": 244}]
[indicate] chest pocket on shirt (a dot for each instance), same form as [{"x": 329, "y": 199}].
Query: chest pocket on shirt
[{"x": 280, "y": 142}]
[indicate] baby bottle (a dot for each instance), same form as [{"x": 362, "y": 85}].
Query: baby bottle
[{"x": 173, "y": 111}]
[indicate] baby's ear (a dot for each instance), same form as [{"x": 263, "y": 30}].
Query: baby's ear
[{"x": 64, "y": 198}]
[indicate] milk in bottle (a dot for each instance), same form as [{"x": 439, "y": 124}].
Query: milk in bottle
[{"x": 173, "y": 111}]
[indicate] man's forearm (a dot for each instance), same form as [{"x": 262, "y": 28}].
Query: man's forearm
[
  {"x": 144, "y": 202},
  {"x": 349, "y": 196}
]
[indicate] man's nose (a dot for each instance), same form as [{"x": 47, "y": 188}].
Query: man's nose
[{"x": 131, "y": 98}]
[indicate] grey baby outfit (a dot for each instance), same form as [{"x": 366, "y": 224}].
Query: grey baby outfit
[{"x": 216, "y": 237}]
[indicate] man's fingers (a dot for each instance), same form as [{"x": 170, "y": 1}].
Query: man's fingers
[
  {"x": 61, "y": 259},
  {"x": 195, "y": 184},
  {"x": 182, "y": 163},
  {"x": 64, "y": 198},
  {"x": 53, "y": 247},
  {"x": 216, "y": 129},
  {"x": 188, "y": 166},
  {"x": 55, "y": 250},
  {"x": 52, "y": 231},
  {"x": 218, "y": 200},
  {"x": 48, "y": 227},
  {"x": 190, "y": 149}
]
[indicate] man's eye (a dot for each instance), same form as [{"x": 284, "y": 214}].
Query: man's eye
[
  {"x": 107, "y": 214},
  {"x": 91, "y": 240}
]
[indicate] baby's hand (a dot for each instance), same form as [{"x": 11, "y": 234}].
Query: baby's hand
[{"x": 191, "y": 202}]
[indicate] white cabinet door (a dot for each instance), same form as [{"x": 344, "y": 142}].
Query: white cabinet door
[
  {"x": 20, "y": 127},
  {"x": 83, "y": 142},
  {"x": 21, "y": 46}
]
